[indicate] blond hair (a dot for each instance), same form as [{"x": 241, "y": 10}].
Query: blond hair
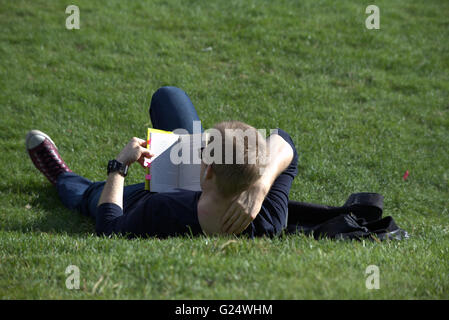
[{"x": 242, "y": 154}]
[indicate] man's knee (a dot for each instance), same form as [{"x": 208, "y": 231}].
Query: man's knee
[{"x": 164, "y": 94}]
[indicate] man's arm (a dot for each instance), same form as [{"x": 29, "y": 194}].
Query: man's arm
[
  {"x": 113, "y": 189},
  {"x": 245, "y": 209},
  {"x": 280, "y": 156}
]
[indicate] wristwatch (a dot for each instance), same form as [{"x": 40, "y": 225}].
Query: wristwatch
[{"x": 114, "y": 165}]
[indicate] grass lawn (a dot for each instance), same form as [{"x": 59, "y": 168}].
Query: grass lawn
[{"x": 363, "y": 106}]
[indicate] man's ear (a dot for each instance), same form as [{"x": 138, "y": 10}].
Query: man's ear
[{"x": 208, "y": 172}]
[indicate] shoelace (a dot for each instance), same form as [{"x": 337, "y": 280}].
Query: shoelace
[{"x": 51, "y": 164}]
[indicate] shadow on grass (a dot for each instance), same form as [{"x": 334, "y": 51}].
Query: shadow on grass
[{"x": 50, "y": 215}]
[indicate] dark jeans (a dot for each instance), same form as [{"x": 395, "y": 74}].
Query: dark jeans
[{"x": 170, "y": 109}]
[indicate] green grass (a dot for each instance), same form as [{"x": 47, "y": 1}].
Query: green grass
[{"x": 363, "y": 106}]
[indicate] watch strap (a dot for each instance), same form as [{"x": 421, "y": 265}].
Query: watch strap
[{"x": 114, "y": 165}]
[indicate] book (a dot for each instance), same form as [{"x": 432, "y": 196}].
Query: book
[{"x": 176, "y": 163}]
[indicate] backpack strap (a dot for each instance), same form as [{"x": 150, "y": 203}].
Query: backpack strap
[
  {"x": 366, "y": 205},
  {"x": 365, "y": 199}
]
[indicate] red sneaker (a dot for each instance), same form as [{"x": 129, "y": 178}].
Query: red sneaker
[{"x": 45, "y": 155}]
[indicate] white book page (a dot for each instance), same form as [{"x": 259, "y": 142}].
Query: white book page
[
  {"x": 189, "y": 176},
  {"x": 161, "y": 142},
  {"x": 164, "y": 174},
  {"x": 189, "y": 171}
]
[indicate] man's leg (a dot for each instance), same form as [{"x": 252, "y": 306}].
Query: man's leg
[
  {"x": 79, "y": 193},
  {"x": 45, "y": 156},
  {"x": 71, "y": 188},
  {"x": 75, "y": 192},
  {"x": 172, "y": 109}
]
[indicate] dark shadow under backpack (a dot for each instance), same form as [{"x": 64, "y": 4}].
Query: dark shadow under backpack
[{"x": 359, "y": 218}]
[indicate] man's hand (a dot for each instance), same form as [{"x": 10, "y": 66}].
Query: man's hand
[
  {"x": 244, "y": 209},
  {"x": 134, "y": 151}
]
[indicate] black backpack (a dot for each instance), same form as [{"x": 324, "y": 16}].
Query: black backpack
[{"x": 359, "y": 218}]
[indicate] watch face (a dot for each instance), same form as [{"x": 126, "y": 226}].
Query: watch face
[
  {"x": 124, "y": 170},
  {"x": 114, "y": 165}
]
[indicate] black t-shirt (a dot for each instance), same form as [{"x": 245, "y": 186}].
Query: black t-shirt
[{"x": 167, "y": 214}]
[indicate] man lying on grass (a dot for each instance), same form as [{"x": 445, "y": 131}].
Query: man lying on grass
[{"x": 249, "y": 198}]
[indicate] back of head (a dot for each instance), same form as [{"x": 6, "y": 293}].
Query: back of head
[{"x": 237, "y": 153}]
